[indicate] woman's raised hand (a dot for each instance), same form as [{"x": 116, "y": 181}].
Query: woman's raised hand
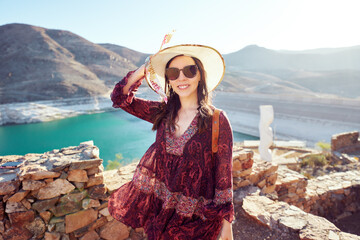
[{"x": 137, "y": 75}]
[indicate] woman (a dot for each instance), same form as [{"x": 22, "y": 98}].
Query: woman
[{"x": 179, "y": 190}]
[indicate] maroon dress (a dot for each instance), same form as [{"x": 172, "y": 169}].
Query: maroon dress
[{"x": 178, "y": 190}]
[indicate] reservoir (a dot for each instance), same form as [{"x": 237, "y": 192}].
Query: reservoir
[{"x": 112, "y": 132}]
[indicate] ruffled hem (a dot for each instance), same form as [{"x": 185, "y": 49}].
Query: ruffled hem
[
  {"x": 137, "y": 209},
  {"x": 144, "y": 197},
  {"x": 131, "y": 206}
]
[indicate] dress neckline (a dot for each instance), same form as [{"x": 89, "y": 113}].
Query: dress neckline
[
  {"x": 175, "y": 145},
  {"x": 187, "y": 129}
]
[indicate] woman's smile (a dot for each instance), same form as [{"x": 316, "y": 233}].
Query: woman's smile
[{"x": 184, "y": 86}]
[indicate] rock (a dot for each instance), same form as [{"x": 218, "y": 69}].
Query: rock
[
  {"x": 114, "y": 230},
  {"x": 63, "y": 175},
  {"x": 80, "y": 219},
  {"x": 97, "y": 192},
  {"x": 91, "y": 153},
  {"x": 65, "y": 208},
  {"x": 240, "y": 183},
  {"x": 32, "y": 184},
  {"x": 26, "y": 203},
  {"x": 67, "y": 237},
  {"x": 348, "y": 236},
  {"x": 104, "y": 212},
  {"x": 77, "y": 175},
  {"x": 12, "y": 207},
  {"x": 98, "y": 223},
  {"x": 44, "y": 205},
  {"x": 92, "y": 235},
  {"x": 46, "y": 215},
  {"x": 2, "y": 211},
  {"x": 55, "y": 220},
  {"x": 268, "y": 189},
  {"x": 52, "y": 236},
  {"x": 94, "y": 170},
  {"x": 292, "y": 222},
  {"x": 48, "y": 180},
  {"x": 21, "y": 218},
  {"x": 237, "y": 165},
  {"x": 90, "y": 203},
  {"x": 254, "y": 206},
  {"x": 81, "y": 231},
  {"x": 73, "y": 197},
  {"x": 60, "y": 227},
  {"x": 55, "y": 188},
  {"x": 17, "y": 233},
  {"x": 44, "y": 174},
  {"x": 87, "y": 143},
  {"x": 96, "y": 179},
  {"x": 85, "y": 164},
  {"x": 37, "y": 228},
  {"x": 312, "y": 230},
  {"x": 17, "y": 197},
  {"x": 8, "y": 186}
]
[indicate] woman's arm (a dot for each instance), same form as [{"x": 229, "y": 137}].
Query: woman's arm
[
  {"x": 226, "y": 232},
  {"x": 223, "y": 176},
  {"x": 133, "y": 78},
  {"x": 123, "y": 96}
]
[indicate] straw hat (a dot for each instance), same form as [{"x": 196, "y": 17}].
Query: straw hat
[{"x": 211, "y": 59}]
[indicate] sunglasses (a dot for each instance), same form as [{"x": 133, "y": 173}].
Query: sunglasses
[{"x": 173, "y": 73}]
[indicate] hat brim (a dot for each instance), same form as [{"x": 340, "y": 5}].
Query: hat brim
[{"x": 211, "y": 59}]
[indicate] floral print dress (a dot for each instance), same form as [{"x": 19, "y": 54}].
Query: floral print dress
[{"x": 178, "y": 191}]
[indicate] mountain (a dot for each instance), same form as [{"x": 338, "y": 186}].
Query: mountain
[
  {"x": 135, "y": 57},
  {"x": 46, "y": 64},
  {"x": 315, "y": 72},
  {"x": 43, "y": 64},
  {"x": 259, "y": 58}
]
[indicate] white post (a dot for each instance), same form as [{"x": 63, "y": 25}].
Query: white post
[{"x": 266, "y": 135}]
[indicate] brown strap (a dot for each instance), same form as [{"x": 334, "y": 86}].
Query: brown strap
[{"x": 215, "y": 131}]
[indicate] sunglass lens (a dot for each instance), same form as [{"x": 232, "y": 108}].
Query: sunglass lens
[
  {"x": 190, "y": 71},
  {"x": 172, "y": 73}
]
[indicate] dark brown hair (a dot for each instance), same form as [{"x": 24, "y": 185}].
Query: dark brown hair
[{"x": 168, "y": 112}]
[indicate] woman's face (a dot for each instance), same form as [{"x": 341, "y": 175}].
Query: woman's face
[{"x": 183, "y": 86}]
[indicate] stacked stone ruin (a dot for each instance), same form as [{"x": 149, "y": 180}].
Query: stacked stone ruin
[
  {"x": 62, "y": 194},
  {"x": 57, "y": 195}
]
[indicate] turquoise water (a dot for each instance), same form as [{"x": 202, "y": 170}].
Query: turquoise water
[{"x": 113, "y": 132}]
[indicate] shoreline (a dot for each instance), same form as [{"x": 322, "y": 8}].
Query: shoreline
[
  {"x": 308, "y": 120},
  {"x": 43, "y": 111}
]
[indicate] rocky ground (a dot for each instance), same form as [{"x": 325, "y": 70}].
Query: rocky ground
[{"x": 246, "y": 228}]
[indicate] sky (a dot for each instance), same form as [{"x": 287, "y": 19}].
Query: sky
[{"x": 227, "y": 25}]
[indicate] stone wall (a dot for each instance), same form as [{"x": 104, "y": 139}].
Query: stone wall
[
  {"x": 247, "y": 172},
  {"x": 57, "y": 195},
  {"x": 62, "y": 194},
  {"x": 287, "y": 220},
  {"x": 345, "y": 142}
]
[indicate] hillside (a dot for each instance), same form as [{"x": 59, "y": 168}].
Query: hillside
[
  {"x": 45, "y": 64},
  {"x": 310, "y": 72}
]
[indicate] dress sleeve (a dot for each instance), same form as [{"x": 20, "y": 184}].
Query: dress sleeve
[
  {"x": 138, "y": 107},
  {"x": 223, "y": 174}
]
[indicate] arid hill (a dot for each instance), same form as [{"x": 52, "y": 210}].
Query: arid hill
[{"x": 44, "y": 64}]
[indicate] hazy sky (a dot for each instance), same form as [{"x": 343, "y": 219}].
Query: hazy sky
[{"x": 227, "y": 25}]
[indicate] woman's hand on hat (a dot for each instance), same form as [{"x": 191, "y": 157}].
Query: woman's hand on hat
[
  {"x": 140, "y": 72},
  {"x": 134, "y": 77}
]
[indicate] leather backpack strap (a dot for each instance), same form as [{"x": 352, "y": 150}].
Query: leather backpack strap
[{"x": 215, "y": 131}]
